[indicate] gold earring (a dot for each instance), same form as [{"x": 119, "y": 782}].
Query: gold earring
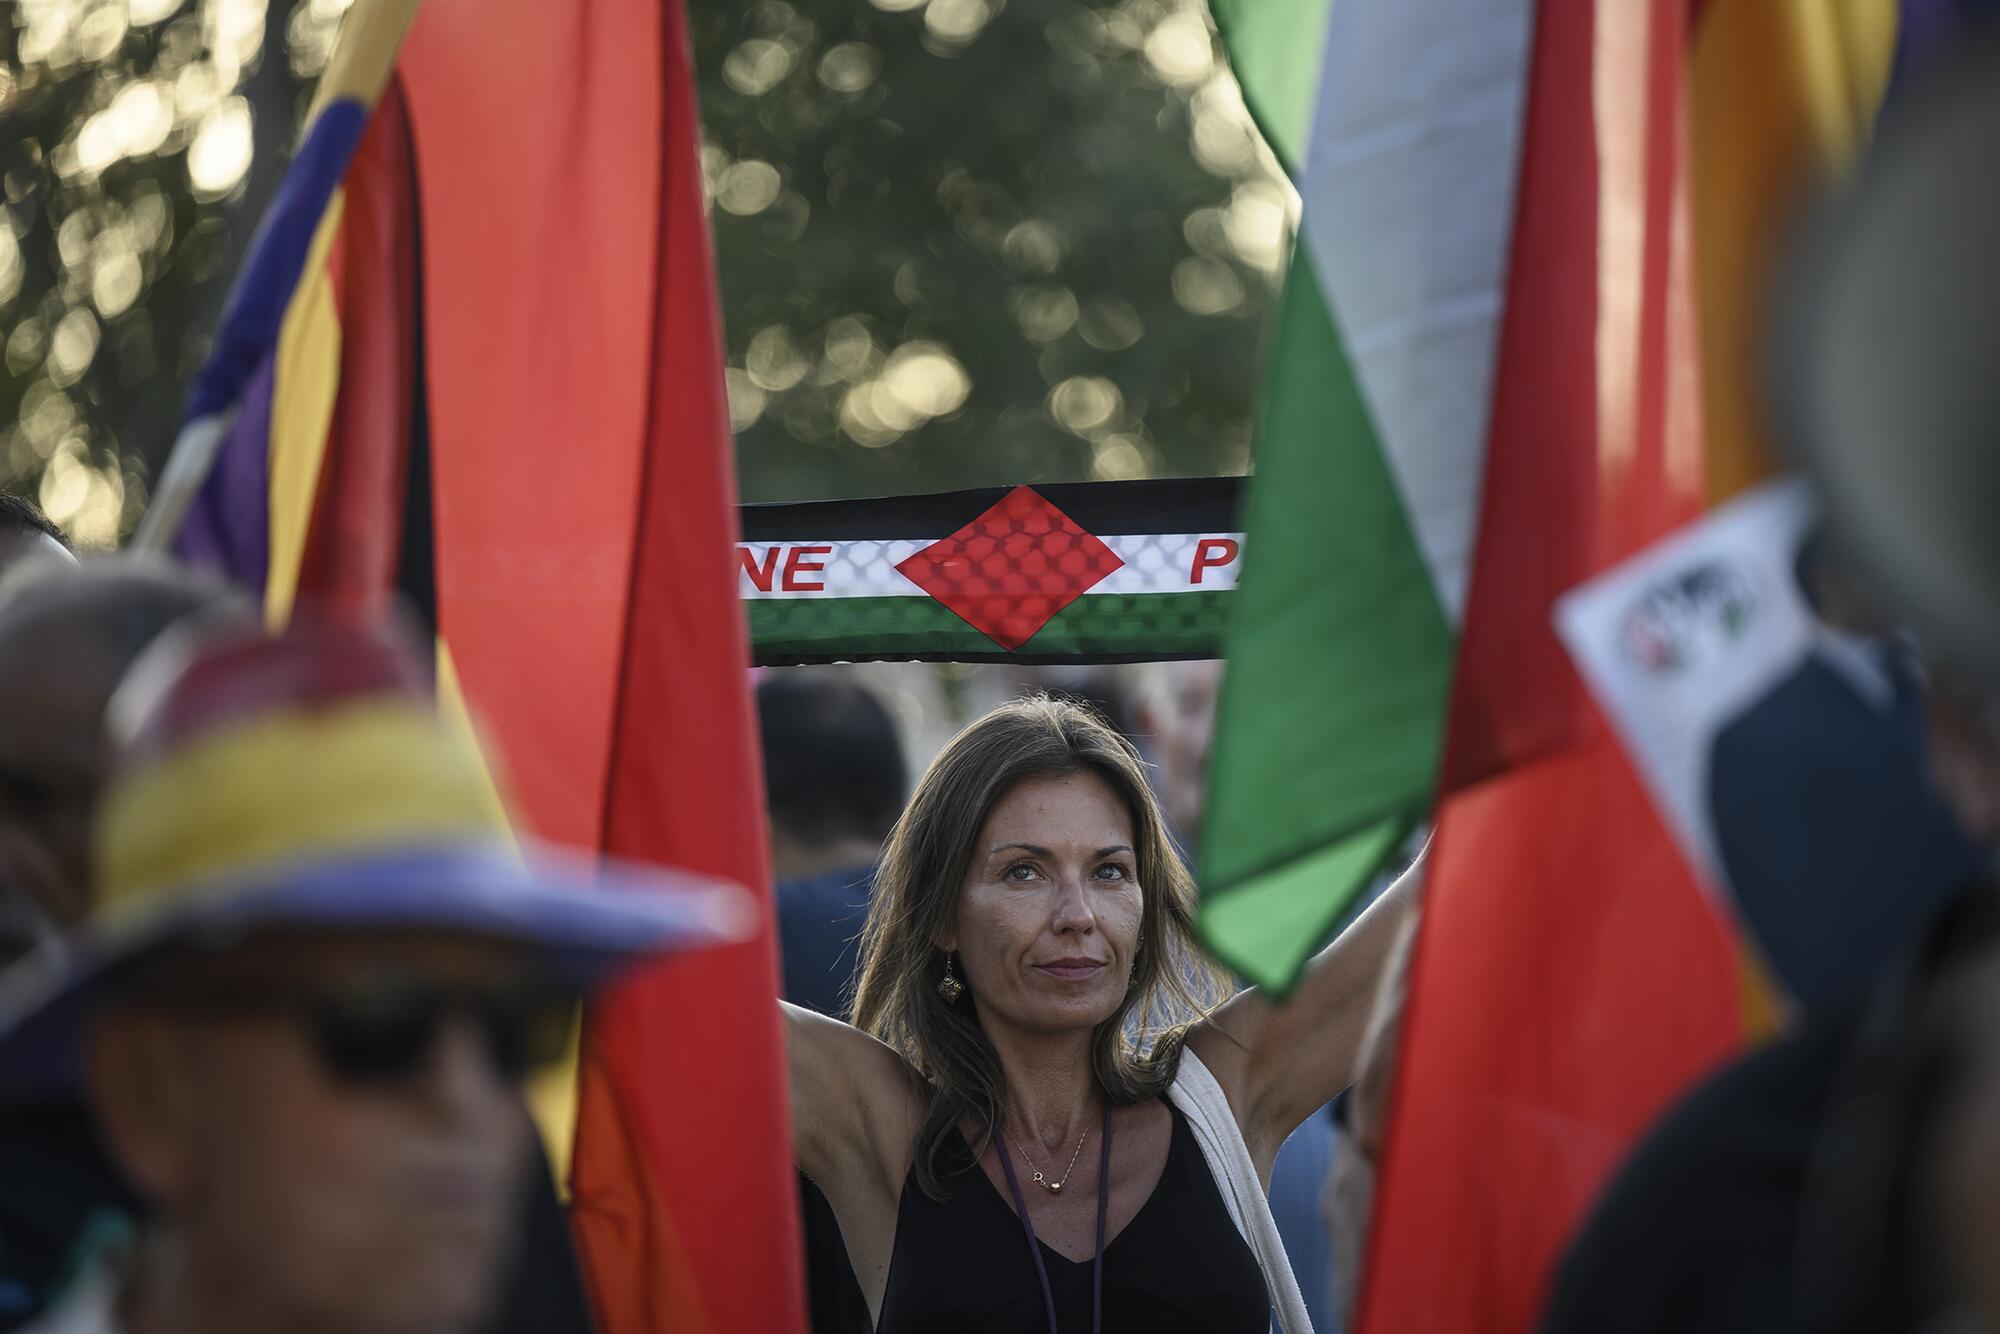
[{"x": 949, "y": 986}]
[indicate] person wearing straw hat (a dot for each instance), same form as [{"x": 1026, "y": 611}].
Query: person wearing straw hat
[{"x": 315, "y": 967}]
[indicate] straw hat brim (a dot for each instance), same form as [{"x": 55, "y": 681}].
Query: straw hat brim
[{"x": 581, "y": 920}]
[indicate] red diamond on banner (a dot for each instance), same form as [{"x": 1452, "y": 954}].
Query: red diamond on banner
[{"x": 1012, "y": 568}]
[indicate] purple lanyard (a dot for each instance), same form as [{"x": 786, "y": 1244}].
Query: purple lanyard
[{"x": 1035, "y": 1246}]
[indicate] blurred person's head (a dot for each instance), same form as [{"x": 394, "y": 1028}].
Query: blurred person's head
[
  {"x": 1883, "y": 387},
  {"x": 315, "y": 968},
  {"x": 1176, "y": 707},
  {"x": 834, "y": 775},
  {"x": 27, "y": 534},
  {"x": 330, "y": 1126},
  {"x": 67, "y": 635},
  {"x": 1886, "y": 390},
  {"x": 1105, "y": 691}
]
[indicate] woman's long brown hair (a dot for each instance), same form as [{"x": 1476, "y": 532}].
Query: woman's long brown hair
[{"x": 924, "y": 865}]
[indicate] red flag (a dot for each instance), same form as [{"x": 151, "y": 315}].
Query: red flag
[
  {"x": 1570, "y": 975},
  {"x": 682, "y": 1074},
  {"x": 585, "y": 525}
]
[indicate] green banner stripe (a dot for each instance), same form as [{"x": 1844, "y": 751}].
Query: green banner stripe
[{"x": 1105, "y": 627}]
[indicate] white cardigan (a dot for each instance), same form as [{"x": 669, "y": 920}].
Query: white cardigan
[{"x": 1202, "y": 1101}]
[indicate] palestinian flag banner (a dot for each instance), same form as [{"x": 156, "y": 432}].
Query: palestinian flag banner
[{"x": 1072, "y": 573}]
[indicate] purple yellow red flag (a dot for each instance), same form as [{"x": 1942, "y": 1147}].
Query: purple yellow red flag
[{"x": 474, "y": 358}]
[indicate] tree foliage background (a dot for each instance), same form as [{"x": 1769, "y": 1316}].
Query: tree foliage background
[{"x": 962, "y": 242}]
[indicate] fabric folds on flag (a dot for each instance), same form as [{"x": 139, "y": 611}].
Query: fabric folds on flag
[
  {"x": 1358, "y": 521},
  {"x": 543, "y": 468},
  {"x": 685, "y": 782},
  {"x": 1570, "y": 976},
  {"x": 322, "y": 312}
]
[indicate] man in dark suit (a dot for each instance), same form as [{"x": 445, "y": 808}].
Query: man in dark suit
[
  {"x": 835, "y": 782},
  {"x": 1835, "y": 842}
]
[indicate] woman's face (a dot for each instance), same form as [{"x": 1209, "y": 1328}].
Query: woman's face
[{"x": 1049, "y": 914}]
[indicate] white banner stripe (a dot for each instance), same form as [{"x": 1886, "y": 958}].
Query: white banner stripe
[{"x": 1154, "y": 563}]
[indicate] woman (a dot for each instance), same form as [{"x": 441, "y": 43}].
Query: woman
[{"x": 1042, "y": 1118}]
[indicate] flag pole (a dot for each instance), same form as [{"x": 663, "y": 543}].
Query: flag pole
[{"x": 188, "y": 465}]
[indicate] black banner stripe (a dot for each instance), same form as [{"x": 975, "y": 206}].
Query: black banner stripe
[{"x": 1164, "y": 505}]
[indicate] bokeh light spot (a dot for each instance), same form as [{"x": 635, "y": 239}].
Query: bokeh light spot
[
  {"x": 11, "y": 267},
  {"x": 140, "y": 13},
  {"x": 748, "y": 188},
  {"x": 926, "y": 379},
  {"x": 757, "y": 66},
  {"x": 850, "y": 67},
  {"x": 1118, "y": 458},
  {"x": 1110, "y": 324},
  {"x": 1179, "y": 51},
  {"x": 956, "y": 22},
  {"x": 1045, "y": 313},
  {"x": 774, "y": 361},
  {"x": 220, "y": 153},
  {"x": 1034, "y": 248},
  {"x": 114, "y": 286},
  {"x": 1085, "y": 405},
  {"x": 746, "y": 399},
  {"x": 101, "y": 31},
  {"x": 72, "y": 347},
  {"x": 1206, "y": 286},
  {"x": 851, "y": 352}
]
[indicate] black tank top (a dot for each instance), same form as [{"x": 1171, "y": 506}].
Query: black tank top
[{"x": 962, "y": 1263}]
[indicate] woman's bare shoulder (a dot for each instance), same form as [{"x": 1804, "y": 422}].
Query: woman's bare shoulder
[{"x": 854, "y": 1099}]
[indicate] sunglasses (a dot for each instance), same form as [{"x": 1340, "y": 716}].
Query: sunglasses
[{"x": 383, "y": 1033}]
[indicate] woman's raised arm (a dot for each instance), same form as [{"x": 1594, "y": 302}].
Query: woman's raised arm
[
  {"x": 1279, "y": 1062},
  {"x": 855, "y": 1107}
]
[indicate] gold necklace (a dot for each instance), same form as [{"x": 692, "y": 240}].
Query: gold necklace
[{"x": 1055, "y": 1187}]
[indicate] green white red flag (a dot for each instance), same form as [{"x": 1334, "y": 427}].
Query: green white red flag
[
  {"x": 1492, "y": 312},
  {"x": 1359, "y": 519}
]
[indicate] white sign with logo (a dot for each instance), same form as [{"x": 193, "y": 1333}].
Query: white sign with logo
[{"x": 1678, "y": 640}]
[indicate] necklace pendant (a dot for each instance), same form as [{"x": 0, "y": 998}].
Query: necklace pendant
[{"x": 1055, "y": 1187}]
